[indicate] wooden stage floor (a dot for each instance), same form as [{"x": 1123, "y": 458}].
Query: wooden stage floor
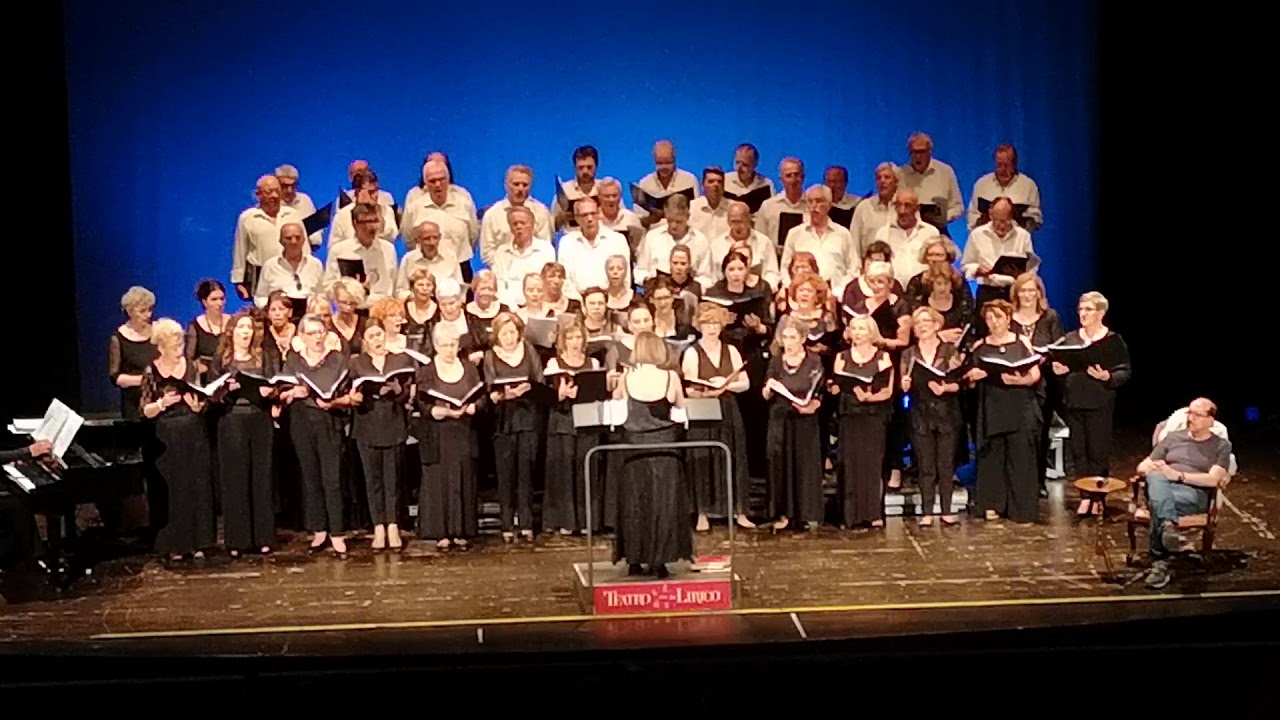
[{"x": 904, "y": 580}]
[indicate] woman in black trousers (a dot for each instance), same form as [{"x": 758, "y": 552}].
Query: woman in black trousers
[
  {"x": 930, "y": 375},
  {"x": 382, "y": 383},
  {"x": 864, "y": 422},
  {"x": 316, "y": 429},
  {"x": 1089, "y": 393},
  {"x": 245, "y": 436},
  {"x": 1034, "y": 320},
  {"x": 511, "y": 370}
]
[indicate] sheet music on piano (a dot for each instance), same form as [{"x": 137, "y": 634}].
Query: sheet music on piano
[{"x": 59, "y": 426}]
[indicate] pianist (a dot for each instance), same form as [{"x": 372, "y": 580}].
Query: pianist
[
  {"x": 18, "y": 536},
  {"x": 36, "y": 449}
]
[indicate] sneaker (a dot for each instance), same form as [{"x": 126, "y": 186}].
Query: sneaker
[
  {"x": 1171, "y": 539},
  {"x": 1159, "y": 575}
]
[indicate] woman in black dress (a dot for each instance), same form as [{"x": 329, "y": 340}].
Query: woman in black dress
[
  {"x": 511, "y": 370},
  {"x": 864, "y": 419},
  {"x": 601, "y": 330},
  {"x": 944, "y": 292},
  {"x": 130, "y": 350},
  {"x": 1006, "y": 370},
  {"x": 348, "y": 295},
  {"x": 277, "y": 344},
  {"x": 553, "y": 275},
  {"x": 653, "y": 501},
  {"x": 420, "y": 309},
  {"x": 316, "y": 428},
  {"x": 183, "y": 461},
  {"x": 564, "y": 498},
  {"x": 1089, "y": 394},
  {"x": 204, "y": 333},
  {"x": 482, "y": 309},
  {"x": 809, "y": 300},
  {"x": 1034, "y": 320},
  {"x": 930, "y": 375},
  {"x": 939, "y": 254},
  {"x": 455, "y": 317},
  {"x": 683, "y": 280},
  {"x": 619, "y": 294},
  {"x": 246, "y": 446},
  {"x": 714, "y": 369},
  {"x": 794, "y": 450},
  {"x": 380, "y": 428},
  {"x": 448, "y": 391}
]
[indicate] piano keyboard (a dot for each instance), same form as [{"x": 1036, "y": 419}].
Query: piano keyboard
[{"x": 18, "y": 478}]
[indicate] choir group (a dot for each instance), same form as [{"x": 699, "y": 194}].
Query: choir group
[{"x": 812, "y": 331}]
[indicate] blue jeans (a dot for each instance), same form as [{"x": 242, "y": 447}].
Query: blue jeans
[{"x": 1169, "y": 500}]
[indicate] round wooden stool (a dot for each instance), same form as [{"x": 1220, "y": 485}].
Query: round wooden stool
[{"x": 1096, "y": 489}]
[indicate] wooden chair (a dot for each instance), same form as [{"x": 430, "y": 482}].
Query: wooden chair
[{"x": 1205, "y": 523}]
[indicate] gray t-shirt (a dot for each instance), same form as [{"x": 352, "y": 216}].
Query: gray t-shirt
[{"x": 1184, "y": 454}]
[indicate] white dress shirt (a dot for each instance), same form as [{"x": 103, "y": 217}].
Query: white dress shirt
[
  {"x": 626, "y": 224},
  {"x": 654, "y": 254},
  {"x": 379, "y": 264},
  {"x": 457, "y": 193},
  {"x": 344, "y": 228},
  {"x": 906, "y": 245},
  {"x": 848, "y": 202},
  {"x": 495, "y": 231},
  {"x": 440, "y": 266},
  {"x": 384, "y": 197},
  {"x": 837, "y": 263},
  {"x": 306, "y": 208},
  {"x": 572, "y": 193},
  {"x": 766, "y": 220},
  {"x": 456, "y": 218},
  {"x": 711, "y": 223},
  {"x": 763, "y": 253},
  {"x": 584, "y": 261},
  {"x": 733, "y": 184},
  {"x": 257, "y": 238},
  {"x": 511, "y": 265},
  {"x": 682, "y": 180},
  {"x": 937, "y": 185},
  {"x": 985, "y": 247},
  {"x": 1022, "y": 190},
  {"x": 868, "y": 217},
  {"x": 304, "y": 282}
]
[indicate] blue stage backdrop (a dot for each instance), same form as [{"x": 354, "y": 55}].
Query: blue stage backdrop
[{"x": 176, "y": 109}]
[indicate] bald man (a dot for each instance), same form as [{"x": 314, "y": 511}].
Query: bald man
[
  {"x": 987, "y": 244},
  {"x": 934, "y": 183},
  {"x": 294, "y": 272},
  {"x": 665, "y": 180},
  {"x": 426, "y": 255},
  {"x": 763, "y": 252},
  {"x": 257, "y": 235},
  {"x": 452, "y": 214},
  {"x": 1181, "y": 471}
]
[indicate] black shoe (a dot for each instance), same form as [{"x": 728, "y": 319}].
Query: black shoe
[
  {"x": 661, "y": 572},
  {"x": 1170, "y": 538},
  {"x": 635, "y": 569}
]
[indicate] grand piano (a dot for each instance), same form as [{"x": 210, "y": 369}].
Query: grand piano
[{"x": 103, "y": 465}]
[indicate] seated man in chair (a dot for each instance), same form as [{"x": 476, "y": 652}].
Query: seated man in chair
[{"x": 1181, "y": 471}]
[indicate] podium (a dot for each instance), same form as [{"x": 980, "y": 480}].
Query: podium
[{"x": 605, "y": 588}]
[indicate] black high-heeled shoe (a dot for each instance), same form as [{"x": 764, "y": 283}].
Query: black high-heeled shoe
[
  {"x": 661, "y": 572},
  {"x": 635, "y": 569}
]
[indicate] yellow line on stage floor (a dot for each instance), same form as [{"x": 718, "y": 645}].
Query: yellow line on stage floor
[{"x": 550, "y": 619}]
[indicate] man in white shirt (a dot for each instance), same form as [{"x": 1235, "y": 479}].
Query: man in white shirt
[
  {"x": 617, "y": 218},
  {"x": 379, "y": 257},
  {"x": 295, "y": 272},
  {"x": 934, "y": 183},
  {"x": 452, "y": 213},
  {"x": 763, "y": 251},
  {"x": 366, "y": 184},
  {"x": 257, "y": 236},
  {"x": 875, "y": 212},
  {"x": 709, "y": 213},
  {"x": 744, "y": 179},
  {"x": 831, "y": 244},
  {"x": 426, "y": 255},
  {"x": 586, "y": 160},
  {"x": 523, "y": 255},
  {"x": 1006, "y": 182},
  {"x": 664, "y": 181},
  {"x": 654, "y": 254},
  {"x": 583, "y": 252},
  {"x": 355, "y": 168},
  {"x": 455, "y": 191},
  {"x": 987, "y": 244},
  {"x": 293, "y": 197},
  {"x": 785, "y": 210},
  {"x": 843, "y": 204},
  {"x": 494, "y": 231},
  {"x": 906, "y": 236}
]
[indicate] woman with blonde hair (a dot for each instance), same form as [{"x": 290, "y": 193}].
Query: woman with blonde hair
[
  {"x": 420, "y": 309},
  {"x": 130, "y": 350},
  {"x": 653, "y": 502},
  {"x": 347, "y": 295},
  {"x": 864, "y": 420},
  {"x": 564, "y": 498},
  {"x": 794, "y": 449},
  {"x": 713, "y": 369},
  {"x": 184, "y": 463},
  {"x": 929, "y": 375},
  {"x": 1035, "y": 320}
]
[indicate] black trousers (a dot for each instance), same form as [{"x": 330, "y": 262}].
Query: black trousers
[
  {"x": 515, "y": 455},
  {"x": 1090, "y": 441},
  {"x": 245, "y": 448},
  {"x": 317, "y": 439},
  {"x": 1007, "y": 475},
  {"x": 382, "y": 480},
  {"x": 19, "y": 537},
  {"x": 934, "y": 441}
]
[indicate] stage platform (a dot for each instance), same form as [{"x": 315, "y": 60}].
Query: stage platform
[{"x": 902, "y": 580}]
